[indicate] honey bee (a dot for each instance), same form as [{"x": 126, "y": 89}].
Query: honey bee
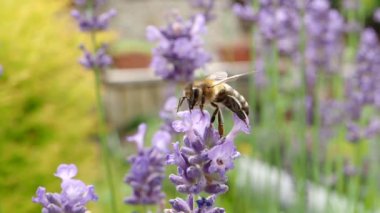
[{"x": 215, "y": 91}]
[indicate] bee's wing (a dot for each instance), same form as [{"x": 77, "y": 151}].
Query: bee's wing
[
  {"x": 217, "y": 76},
  {"x": 231, "y": 78}
]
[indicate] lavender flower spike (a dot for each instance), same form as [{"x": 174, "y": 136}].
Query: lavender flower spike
[
  {"x": 204, "y": 158},
  {"x": 147, "y": 171},
  {"x": 90, "y": 21},
  {"x": 179, "y": 50},
  {"x": 206, "y": 6},
  {"x": 244, "y": 12},
  {"x": 74, "y": 195},
  {"x": 99, "y": 59}
]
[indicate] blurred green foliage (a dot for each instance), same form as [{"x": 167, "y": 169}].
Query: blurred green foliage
[{"x": 46, "y": 107}]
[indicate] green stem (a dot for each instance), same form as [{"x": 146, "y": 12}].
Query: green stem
[
  {"x": 102, "y": 129},
  {"x": 301, "y": 161}
]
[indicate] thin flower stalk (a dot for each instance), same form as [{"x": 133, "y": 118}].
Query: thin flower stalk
[{"x": 97, "y": 60}]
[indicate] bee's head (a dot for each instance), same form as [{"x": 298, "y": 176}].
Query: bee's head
[{"x": 191, "y": 94}]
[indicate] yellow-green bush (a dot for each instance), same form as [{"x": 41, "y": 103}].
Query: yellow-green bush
[{"x": 47, "y": 111}]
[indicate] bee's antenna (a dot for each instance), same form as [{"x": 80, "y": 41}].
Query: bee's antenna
[{"x": 180, "y": 103}]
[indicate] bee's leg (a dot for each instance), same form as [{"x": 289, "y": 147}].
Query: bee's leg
[
  {"x": 203, "y": 100},
  {"x": 180, "y": 103},
  {"x": 189, "y": 105},
  {"x": 220, "y": 123},
  {"x": 214, "y": 113}
]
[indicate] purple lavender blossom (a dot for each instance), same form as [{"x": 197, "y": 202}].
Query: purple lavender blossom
[
  {"x": 204, "y": 158},
  {"x": 74, "y": 195},
  {"x": 279, "y": 23},
  {"x": 93, "y": 61},
  {"x": 205, "y": 205},
  {"x": 147, "y": 171},
  {"x": 373, "y": 128},
  {"x": 180, "y": 48},
  {"x": 244, "y": 11},
  {"x": 354, "y": 133},
  {"x": 324, "y": 28},
  {"x": 363, "y": 88},
  {"x": 168, "y": 114},
  {"x": 331, "y": 113},
  {"x": 206, "y": 6},
  {"x": 350, "y": 4},
  {"x": 376, "y": 15},
  {"x": 88, "y": 20}
]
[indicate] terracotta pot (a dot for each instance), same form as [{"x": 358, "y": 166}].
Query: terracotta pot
[
  {"x": 237, "y": 52},
  {"x": 131, "y": 60}
]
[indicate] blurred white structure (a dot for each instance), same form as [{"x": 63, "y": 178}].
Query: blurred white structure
[{"x": 267, "y": 180}]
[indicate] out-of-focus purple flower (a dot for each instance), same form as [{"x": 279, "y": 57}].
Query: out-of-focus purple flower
[
  {"x": 98, "y": 60},
  {"x": 179, "y": 51},
  {"x": 138, "y": 138},
  {"x": 98, "y": 23},
  {"x": 349, "y": 169},
  {"x": 1, "y": 70},
  {"x": 168, "y": 114},
  {"x": 244, "y": 12},
  {"x": 355, "y": 132},
  {"x": 324, "y": 28},
  {"x": 373, "y": 128},
  {"x": 376, "y": 15},
  {"x": 204, "y": 158},
  {"x": 147, "y": 171},
  {"x": 260, "y": 77},
  {"x": 332, "y": 112},
  {"x": 363, "y": 88},
  {"x": 88, "y": 18},
  {"x": 91, "y": 21},
  {"x": 161, "y": 140},
  {"x": 350, "y": 4},
  {"x": 74, "y": 195},
  {"x": 278, "y": 23},
  {"x": 204, "y": 205},
  {"x": 324, "y": 31},
  {"x": 206, "y": 6}
]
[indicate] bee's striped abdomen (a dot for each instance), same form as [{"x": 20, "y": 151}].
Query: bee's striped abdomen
[
  {"x": 242, "y": 101},
  {"x": 230, "y": 98}
]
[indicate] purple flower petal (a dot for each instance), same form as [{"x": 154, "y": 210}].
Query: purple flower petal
[
  {"x": 138, "y": 138},
  {"x": 376, "y": 15},
  {"x": 41, "y": 197},
  {"x": 180, "y": 205},
  {"x": 221, "y": 157},
  {"x": 161, "y": 140},
  {"x": 66, "y": 171},
  {"x": 239, "y": 125}
]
